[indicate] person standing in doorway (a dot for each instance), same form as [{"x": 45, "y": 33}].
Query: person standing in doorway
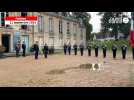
[{"x": 24, "y": 49}]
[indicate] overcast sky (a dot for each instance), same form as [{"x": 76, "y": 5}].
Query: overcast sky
[{"x": 95, "y": 21}]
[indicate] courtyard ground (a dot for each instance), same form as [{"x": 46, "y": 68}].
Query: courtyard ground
[{"x": 64, "y": 71}]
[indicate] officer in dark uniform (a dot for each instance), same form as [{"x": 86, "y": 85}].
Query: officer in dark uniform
[
  {"x": 81, "y": 49},
  {"x": 124, "y": 50},
  {"x": 114, "y": 49},
  {"x": 104, "y": 48},
  {"x": 65, "y": 48},
  {"x": 24, "y": 49},
  {"x": 89, "y": 50},
  {"x": 96, "y": 50},
  {"x": 36, "y": 50},
  {"x": 75, "y": 49},
  {"x": 17, "y": 48},
  {"x": 45, "y": 50},
  {"x": 133, "y": 52},
  {"x": 69, "y": 48}
]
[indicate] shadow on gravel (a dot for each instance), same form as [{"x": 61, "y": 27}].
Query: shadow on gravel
[{"x": 63, "y": 71}]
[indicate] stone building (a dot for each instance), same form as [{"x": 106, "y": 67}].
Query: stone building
[{"x": 53, "y": 28}]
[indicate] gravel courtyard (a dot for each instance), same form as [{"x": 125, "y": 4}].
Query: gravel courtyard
[{"x": 64, "y": 71}]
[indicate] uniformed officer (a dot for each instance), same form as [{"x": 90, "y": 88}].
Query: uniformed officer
[
  {"x": 89, "y": 50},
  {"x": 81, "y": 49},
  {"x": 65, "y": 48},
  {"x": 104, "y": 48},
  {"x": 75, "y": 49},
  {"x": 17, "y": 48},
  {"x": 45, "y": 50},
  {"x": 69, "y": 48},
  {"x": 124, "y": 50},
  {"x": 24, "y": 49},
  {"x": 96, "y": 50},
  {"x": 114, "y": 49},
  {"x": 133, "y": 52},
  {"x": 36, "y": 50}
]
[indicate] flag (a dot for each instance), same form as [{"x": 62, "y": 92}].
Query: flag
[{"x": 131, "y": 39}]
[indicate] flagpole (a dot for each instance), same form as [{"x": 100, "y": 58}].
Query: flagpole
[{"x": 132, "y": 30}]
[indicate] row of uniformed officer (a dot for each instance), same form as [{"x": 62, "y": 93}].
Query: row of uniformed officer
[
  {"x": 75, "y": 47},
  {"x": 104, "y": 48}
]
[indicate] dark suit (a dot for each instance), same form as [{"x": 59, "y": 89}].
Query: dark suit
[
  {"x": 89, "y": 50},
  {"x": 124, "y": 49},
  {"x": 104, "y": 51},
  {"x": 24, "y": 49},
  {"x": 65, "y": 49},
  {"x": 45, "y": 51},
  {"x": 75, "y": 49},
  {"x": 36, "y": 49},
  {"x": 114, "y": 49},
  {"x": 69, "y": 49},
  {"x": 96, "y": 51}
]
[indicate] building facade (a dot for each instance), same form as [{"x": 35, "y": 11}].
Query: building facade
[{"x": 52, "y": 28}]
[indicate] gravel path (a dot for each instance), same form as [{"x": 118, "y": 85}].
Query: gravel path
[{"x": 63, "y": 71}]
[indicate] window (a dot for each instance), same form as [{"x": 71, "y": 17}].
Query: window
[
  {"x": 24, "y": 14},
  {"x": 50, "y": 25},
  {"x": 60, "y": 26},
  {"x": 68, "y": 28},
  {"x": 7, "y": 14},
  {"x": 2, "y": 19},
  {"x": 74, "y": 28},
  {"x": 40, "y": 24}
]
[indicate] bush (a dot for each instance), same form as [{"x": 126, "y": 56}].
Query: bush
[{"x": 109, "y": 43}]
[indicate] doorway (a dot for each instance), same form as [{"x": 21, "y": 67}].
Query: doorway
[{"x": 6, "y": 42}]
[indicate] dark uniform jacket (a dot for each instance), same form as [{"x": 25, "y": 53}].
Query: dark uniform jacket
[
  {"x": 36, "y": 47},
  {"x": 46, "y": 49}
]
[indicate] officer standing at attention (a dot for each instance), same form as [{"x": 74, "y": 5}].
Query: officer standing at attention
[
  {"x": 114, "y": 49},
  {"x": 75, "y": 49},
  {"x": 69, "y": 48},
  {"x": 81, "y": 48},
  {"x": 133, "y": 52},
  {"x": 17, "y": 48},
  {"x": 89, "y": 50},
  {"x": 104, "y": 48},
  {"x": 96, "y": 50},
  {"x": 65, "y": 48},
  {"x": 124, "y": 50},
  {"x": 45, "y": 50},
  {"x": 36, "y": 50},
  {"x": 24, "y": 49}
]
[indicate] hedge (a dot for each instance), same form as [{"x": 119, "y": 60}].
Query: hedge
[{"x": 109, "y": 43}]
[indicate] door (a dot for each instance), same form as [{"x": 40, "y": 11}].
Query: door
[
  {"x": 16, "y": 38},
  {"x": 25, "y": 39},
  {"x": 6, "y": 42}
]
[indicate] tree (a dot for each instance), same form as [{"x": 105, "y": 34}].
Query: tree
[
  {"x": 116, "y": 27},
  {"x": 85, "y": 17}
]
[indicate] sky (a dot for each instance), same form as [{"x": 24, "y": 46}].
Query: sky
[{"x": 95, "y": 21}]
